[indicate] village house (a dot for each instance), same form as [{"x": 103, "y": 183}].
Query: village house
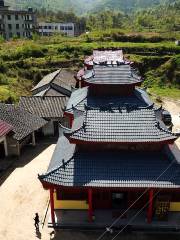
[
  {"x": 117, "y": 160},
  {"x": 24, "y": 126},
  {"x": 57, "y": 83},
  {"x": 49, "y": 108},
  {"x": 49, "y": 99}
]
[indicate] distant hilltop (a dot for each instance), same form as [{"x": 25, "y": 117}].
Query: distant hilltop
[{"x": 84, "y": 6}]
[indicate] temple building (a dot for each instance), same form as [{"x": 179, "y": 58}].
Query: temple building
[
  {"x": 117, "y": 160},
  {"x": 49, "y": 99}
]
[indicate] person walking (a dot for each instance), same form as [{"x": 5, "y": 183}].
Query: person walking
[{"x": 36, "y": 221}]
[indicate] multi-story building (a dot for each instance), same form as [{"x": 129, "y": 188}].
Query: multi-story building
[
  {"x": 47, "y": 28},
  {"x": 68, "y": 29},
  {"x": 117, "y": 165},
  {"x": 18, "y": 23}
]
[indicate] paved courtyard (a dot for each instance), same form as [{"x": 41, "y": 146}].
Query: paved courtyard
[{"x": 22, "y": 195}]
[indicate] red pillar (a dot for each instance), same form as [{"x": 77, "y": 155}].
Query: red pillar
[
  {"x": 150, "y": 207},
  {"x": 90, "y": 210},
  {"x": 71, "y": 121},
  {"x": 52, "y": 204}
]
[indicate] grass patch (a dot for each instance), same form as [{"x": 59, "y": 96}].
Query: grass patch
[
  {"x": 165, "y": 92},
  {"x": 24, "y": 62}
]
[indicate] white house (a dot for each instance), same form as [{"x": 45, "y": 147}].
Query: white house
[{"x": 49, "y": 28}]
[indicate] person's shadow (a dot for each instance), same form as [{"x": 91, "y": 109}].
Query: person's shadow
[{"x": 38, "y": 234}]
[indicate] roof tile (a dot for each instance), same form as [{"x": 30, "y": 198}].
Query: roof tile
[
  {"x": 111, "y": 169},
  {"x": 112, "y": 74},
  {"x": 122, "y": 125},
  {"x": 46, "y": 107},
  {"x": 23, "y": 122},
  {"x": 5, "y": 128}
]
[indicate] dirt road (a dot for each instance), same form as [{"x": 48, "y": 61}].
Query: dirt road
[
  {"x": 22, "y": 195},
  {"x": 174, "y": 108}
]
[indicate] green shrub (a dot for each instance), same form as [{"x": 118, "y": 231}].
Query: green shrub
[
  {"x": 3, "y": 67},
  {"x": 26, "y": 52},
  {"x": 3, "y": 79},
  {"x": 37, "y": 77},
  {"x": 88, "y": 39}
]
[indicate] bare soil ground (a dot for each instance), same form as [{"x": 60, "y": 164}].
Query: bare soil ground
[{"x": 22, "y": 195}]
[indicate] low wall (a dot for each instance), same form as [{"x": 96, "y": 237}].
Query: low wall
[
  {"x": 70, "y": 204},
  {"x": 174, "y": 207}
]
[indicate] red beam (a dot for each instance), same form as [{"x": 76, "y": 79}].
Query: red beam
[
  {"x": 84, "y": 142},
  {"x": 47, "y": 186},
  {"x": 71, "y": 121},
  {"x": 52, "y": 205},
  {"x": 90, "y": 210},
  {"x": 150, "y": 207}
]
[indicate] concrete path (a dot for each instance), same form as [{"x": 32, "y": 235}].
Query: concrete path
[{"x": 174, "y": 108}]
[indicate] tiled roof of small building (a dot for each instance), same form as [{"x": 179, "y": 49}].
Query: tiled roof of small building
[
  {"x": 46, "y": 107},
  {"x": 49, "y": 92},
  {"x": 23, "y": 122},
  {"x": 57, "y": 83},
  {"x": 5, "y": 128},
  {"x": 111, "y": 169},
  {"x": 123, "y": 125},
  {"x": 80, "y": 97},
  {"x": 47, "y": 79},
  {"x": 112, "y": 74},
  {"x": 65, "y": 79}
]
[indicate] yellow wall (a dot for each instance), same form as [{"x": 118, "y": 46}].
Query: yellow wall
[
  {"x": 175, "y": 207},
  {"x": 70, "y": 204}
]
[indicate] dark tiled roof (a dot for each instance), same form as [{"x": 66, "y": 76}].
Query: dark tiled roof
[
  {"x": 46, "y": 107},
  {"x": 126, "y": 125},
  {"x": 64, "y": 150},
  {"x": 108, "y": 74},
  {"x": 49, "y": 92},
  {"x": 5, "y": 128},
  {"x": 77, "y": 97},
  {"x": 23, "y": 122},
  {"x": 65, "y": 79},
  {"x": 111, "y": 169},
  {"x": 47, "y": 79},
  {"x": 80, "y": 97},
  {"x": 56, "y": 84}
]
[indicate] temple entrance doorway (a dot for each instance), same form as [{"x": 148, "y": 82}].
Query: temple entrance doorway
[{"x": 119, "y": 200}]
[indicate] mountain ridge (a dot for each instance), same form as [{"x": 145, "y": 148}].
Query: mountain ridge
[{"x": 85, "y": 6}]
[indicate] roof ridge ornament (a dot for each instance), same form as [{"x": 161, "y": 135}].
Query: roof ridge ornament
[
  {"x": 63, "y": 165},
  {"x": 77, "y": 112},
  {"x": 158, "y": 125}
]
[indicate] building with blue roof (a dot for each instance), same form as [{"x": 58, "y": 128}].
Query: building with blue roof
[{"x": 116, "y": 155}]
